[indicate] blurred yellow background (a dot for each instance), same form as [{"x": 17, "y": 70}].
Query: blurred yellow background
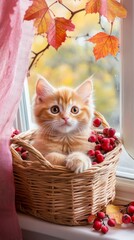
[{"x": 74, "y": 61}]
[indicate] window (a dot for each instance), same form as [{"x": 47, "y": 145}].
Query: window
[
  {"x": 126, "y": 167},
  {"x": 77, "y": 62}
]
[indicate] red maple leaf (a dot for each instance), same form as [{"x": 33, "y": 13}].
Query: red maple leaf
[{"x": 56, "y": 34}]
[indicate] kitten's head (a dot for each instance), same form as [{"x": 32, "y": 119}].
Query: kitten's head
[{"x": 63, "y": 110}]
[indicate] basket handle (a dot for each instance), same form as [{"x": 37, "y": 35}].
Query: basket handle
[
  {"x": 104, "y": 122},
  {"x": 31, "y": 149}
]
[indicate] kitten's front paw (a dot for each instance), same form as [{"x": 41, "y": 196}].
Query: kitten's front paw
[{"x": 78, "y": 162}]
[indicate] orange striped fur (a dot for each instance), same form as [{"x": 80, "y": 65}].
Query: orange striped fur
[{"x": 62, "y": 136}]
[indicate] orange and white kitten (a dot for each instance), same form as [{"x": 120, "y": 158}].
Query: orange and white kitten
[{"x": 64, "y": 117}]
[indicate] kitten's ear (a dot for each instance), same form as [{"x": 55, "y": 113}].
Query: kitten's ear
[
  {"x": 85, "y": 89},
  {"x": 43, "y": 88}
]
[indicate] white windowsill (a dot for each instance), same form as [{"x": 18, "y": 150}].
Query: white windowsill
[{"x": 35, "y": 226}]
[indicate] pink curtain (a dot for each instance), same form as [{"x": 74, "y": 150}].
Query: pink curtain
[{"x": 15, "y": 44}]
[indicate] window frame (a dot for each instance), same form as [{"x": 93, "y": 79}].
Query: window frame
[{"x": 127, "y": 83}]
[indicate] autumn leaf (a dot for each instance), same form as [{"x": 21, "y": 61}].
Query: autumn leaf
[
  {"x": 108, "y": 8},
  {"x": 93, "y": 6},
  {"x": 39, "y": 11},
  {"x": 91, "y": 218},
  {"x": 56, "y": 34},
  {"x": 105, "y": 45},
  {"x": 114, "y": 212}
]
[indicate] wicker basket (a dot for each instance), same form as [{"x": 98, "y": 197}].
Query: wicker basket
[{"x": 54, "y": 193}]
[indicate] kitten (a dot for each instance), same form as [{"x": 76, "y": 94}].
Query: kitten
[{"x": 64, "y": 117}]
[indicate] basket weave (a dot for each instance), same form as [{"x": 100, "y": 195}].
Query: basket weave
[{"x": 54, "y": 193}]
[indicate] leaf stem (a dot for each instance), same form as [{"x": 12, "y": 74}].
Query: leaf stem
[{"x": 111, "y": 28}]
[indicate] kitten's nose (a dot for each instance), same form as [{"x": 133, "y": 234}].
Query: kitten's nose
[{"x": 65, "y": 119}]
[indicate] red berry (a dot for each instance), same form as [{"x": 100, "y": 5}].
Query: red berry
[
  {"x": 12, "y": 135},
  {"x": 24, "y": 155},
  {"x": 112, "y": 140},
  {"x": 110, "y": 148},
  {"x": 100, "y": 158},
  {"x": 126, "y": 219},
  {"x": 131, "y": 203},
  {"x": 23, "y": 149},
  {"x": 111, "y": 222},
  {"x": 97, "y": 225},
  {"x": 104, "y": 229},
  {"x": 91, "y": 153},
  {"x": 132, "y": 218},
  {"x": 18, "y": 149},
  {"x": 16, "y": 131},
  {"x": 94, "y": 163},
  {"x": 100, "y": 137},
  {"x": 130, "y": 209},
  {"x": 97, "y": 122},
  {"x": 105, "y": 147},
  {"x": 111, "y": 132},
  {"x": 97, "y": 152},
  {"x": 105, "y": 141},
  {"x": 92, "y": 138},
  {"x": 98, "y": 147},
  {"x": 105, "y": 131},
  {"x": 101, "y": 215}
]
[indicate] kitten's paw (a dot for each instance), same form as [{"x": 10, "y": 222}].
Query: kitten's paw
[{"x": 78, "y": 162}]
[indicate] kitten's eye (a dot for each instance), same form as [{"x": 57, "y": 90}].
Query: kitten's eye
[
  {"x": 74, "y": 110},
  {"x": 55, "y": 109}
]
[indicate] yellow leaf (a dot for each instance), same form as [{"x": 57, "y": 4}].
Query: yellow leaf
[{"x": 114, "y": 212}]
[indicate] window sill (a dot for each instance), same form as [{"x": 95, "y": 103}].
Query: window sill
[
  {"x": 43, "y": 230},
  {"x": 36, "y": 229}
]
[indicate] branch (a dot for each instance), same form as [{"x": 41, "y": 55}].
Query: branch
[
  {"x": 103, "y": 29},
  {"x": 71, "y": 12},
  {"x": 44, "y": 49},
  {"x": 77, "y": 37},
  {"x": 36, "y": 56}
]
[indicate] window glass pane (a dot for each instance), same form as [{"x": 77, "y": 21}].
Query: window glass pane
[{"x": 74, "y": 62}]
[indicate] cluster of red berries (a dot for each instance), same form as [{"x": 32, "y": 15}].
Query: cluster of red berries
[
  {"x": 15, "y": 132},
  {"x": 23, "y": 153},
  {"x": 128, "y": 213},
  {"x": 101, "y": 221},
  {"x": 105, "y": 142}
]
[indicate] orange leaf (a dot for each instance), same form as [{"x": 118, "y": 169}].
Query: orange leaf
[
  {"x": 114, "y": 212},
  {"x": 108, "y": 8},
  {"x": 39, "y": 11},
  {"x": 105, "y": 45},
  {"x": 57, "y": 31},
  {"x": 93, "y": 6},
  {"x": 91, "y": 218}
]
